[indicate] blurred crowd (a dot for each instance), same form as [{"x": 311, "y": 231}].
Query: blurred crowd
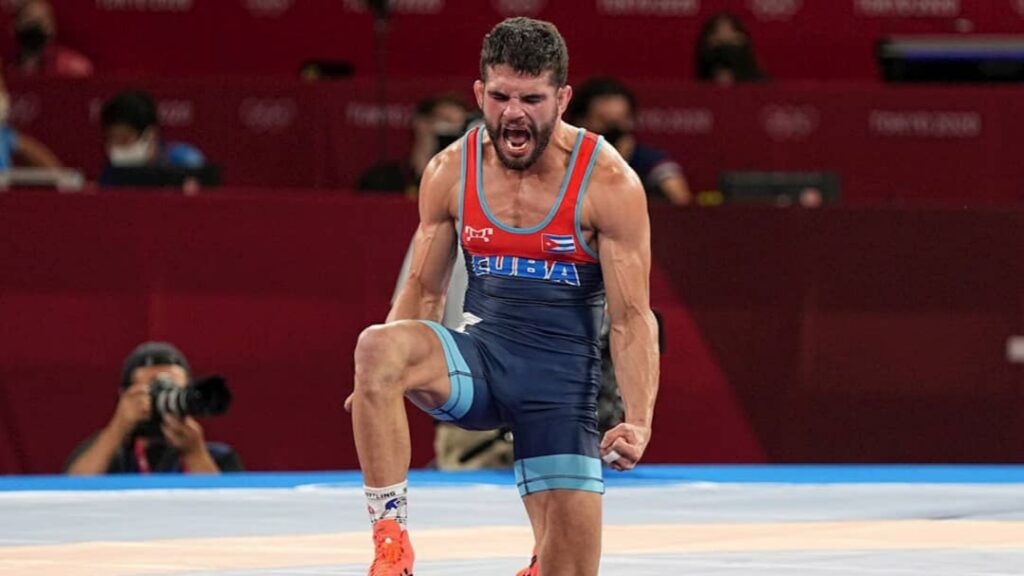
[
  {"x": 137, "y": 154},
  {"x": 130, "y": 123},
  {"x": 138, "y": 437}
]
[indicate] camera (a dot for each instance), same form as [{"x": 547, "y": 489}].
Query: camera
[{"x": 208, "y": 396}]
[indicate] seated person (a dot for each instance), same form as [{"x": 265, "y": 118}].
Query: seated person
[
  {"x": 725, "y": 53},
  {"x": 131, "y": 133},
  {"x": 14, "y": 144},
  {"x": 437, "y": 122},
  {"x": 606, "y": 106},
  {"x": 35, "y": 31},
  {"x": 132, "y": 443}
]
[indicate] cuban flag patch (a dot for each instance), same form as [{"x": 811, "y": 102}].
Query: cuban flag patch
[{"x": 558, "y": 243}]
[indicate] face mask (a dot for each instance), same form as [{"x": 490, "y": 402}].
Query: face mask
[
  {"x": 135, "y": 154},
  {"x": 614, "y": 134},
  {"x": 5, "y": 107},
  {"x": 446, "y": 133},
  {"x": 32, "y": 37}
]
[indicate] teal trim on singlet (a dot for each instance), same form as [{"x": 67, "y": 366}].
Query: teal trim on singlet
[
  {"x": 558, "y": 472},
  {"x": 579, "y": 199},
  {"x": 554, "y": 208},
  {"x": 460, "y": 399},
  {"x": 462, "y": 185}
]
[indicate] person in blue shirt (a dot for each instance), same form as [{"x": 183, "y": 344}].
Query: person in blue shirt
[
  {"x": 131, "y": 134},
  {"x": 606, "y": 106}
]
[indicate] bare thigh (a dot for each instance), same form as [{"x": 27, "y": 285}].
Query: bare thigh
[{"x": 567, "y": 528}]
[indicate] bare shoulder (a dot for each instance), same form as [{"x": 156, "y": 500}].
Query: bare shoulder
[
  {"x": 614, "y": 192},
  {"x": 439, "y": 186},
  {"x": 612, "y": 171}
]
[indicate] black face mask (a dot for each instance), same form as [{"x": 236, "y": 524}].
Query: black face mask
[
  {"x": 615, "y": 133},
  {"x": 738, "y": 59},
  {"x": 444, "y": 141},
  {"x": 32, "y": 38}
]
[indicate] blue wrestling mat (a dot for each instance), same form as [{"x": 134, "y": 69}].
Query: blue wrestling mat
[
  {"x": 721, "y": 520},
  {"x": 649, "y": 475}
]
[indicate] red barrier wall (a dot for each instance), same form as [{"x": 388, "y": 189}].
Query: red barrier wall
[
  {"x": 793, "y": 336},
  {"x": 270, "y": 291},
  {"x": 859, "y": 335},
  {"x": 796, "y": 39},
  {"x": 889, "y": 145}
]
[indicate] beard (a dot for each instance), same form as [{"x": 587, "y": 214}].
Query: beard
[{"x": 539, "y": 138}]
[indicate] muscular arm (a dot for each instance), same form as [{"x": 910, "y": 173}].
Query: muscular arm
[
  {"x": 433, "y": 249},
  {"x": 619, "y": 214}
]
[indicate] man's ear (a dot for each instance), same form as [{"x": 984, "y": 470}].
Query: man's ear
[
  {"x": 564, "y": 96},
  {"x": 478, "y": 91}
]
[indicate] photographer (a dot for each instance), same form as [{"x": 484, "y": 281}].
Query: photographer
[{"x": 133, "y": 442}]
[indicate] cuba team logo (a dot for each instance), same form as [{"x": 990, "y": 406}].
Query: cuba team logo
[
  {"x": 558, "y": 243},
  {"x": 515, "y": 267}
]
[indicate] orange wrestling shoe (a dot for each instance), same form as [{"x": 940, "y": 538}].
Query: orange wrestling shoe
[
  {"x": 533, "y": 569},
  {"x": 394, "y": 555}
]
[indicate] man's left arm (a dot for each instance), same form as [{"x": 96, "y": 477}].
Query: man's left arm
[
  {"x": 186, "y": 435},
  {"x": 619, "y": 216}
]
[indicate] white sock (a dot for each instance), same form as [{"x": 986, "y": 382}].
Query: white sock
[{"x": 387, "y": 502}]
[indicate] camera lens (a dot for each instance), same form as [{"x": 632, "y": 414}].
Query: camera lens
[{"x": 208, "y": 396}]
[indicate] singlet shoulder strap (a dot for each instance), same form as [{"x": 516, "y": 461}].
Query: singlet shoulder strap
[
  {"x": 467, "y": 185},
  {"x": 581, "y": 169},
  {"x": 572, "y": 204}
]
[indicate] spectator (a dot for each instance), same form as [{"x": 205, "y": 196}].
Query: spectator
[
  {"x": 606, "y": 106},
  {"x": 35, "y": 32},
  {"x": 725, "y": 54},
  {"x": 437, "y": 122},
  {"x": 132, "y": 443},
  {"x": 131, "y": 133},
  {"x": 13, "y": 144}
]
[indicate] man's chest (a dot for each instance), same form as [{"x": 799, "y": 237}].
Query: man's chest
[{"x": 521, "y": 204}]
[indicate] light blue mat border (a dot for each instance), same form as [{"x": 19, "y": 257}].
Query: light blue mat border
[{"x": 644, "y": 476}]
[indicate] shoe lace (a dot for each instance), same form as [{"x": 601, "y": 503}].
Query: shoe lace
[{"x": 389, "y": 553}]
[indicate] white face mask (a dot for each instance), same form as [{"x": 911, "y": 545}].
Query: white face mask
[
  {"x": 5, "y": 107},
  {"x": 136, "y": 154}
]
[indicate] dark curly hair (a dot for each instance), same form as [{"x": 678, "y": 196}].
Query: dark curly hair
[{"x": 527, "y": 46}]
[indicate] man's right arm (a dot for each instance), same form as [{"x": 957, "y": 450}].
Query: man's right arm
[
  {"x": 96, "y": 455},
  {"x": 132, "y": 408},
  {"x": 433, "y": 248}
]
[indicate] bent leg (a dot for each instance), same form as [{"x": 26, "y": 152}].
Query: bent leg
[
  {"x": 567, "y": 529},
  {"x": 393, "y": 360}
]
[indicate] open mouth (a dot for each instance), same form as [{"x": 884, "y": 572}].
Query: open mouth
[{"x": 517, "y": 139}]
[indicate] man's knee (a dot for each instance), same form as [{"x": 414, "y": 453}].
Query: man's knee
[{"x": 379, "y": 360}]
